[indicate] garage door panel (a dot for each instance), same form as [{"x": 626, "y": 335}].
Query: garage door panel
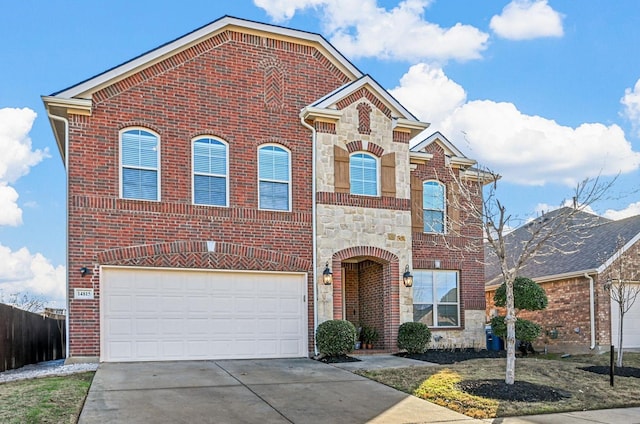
[
  {"x": 172, "y": 315},
  {"x": 631, "y": 329}
]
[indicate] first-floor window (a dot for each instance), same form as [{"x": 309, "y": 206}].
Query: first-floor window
[{"x": 436, "y": 298}]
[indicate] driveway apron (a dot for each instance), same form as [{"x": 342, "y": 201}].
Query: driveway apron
[{"x": 249, "y": 391}]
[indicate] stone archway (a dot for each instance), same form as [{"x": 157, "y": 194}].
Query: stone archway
[{"x": 366, "y": 291}]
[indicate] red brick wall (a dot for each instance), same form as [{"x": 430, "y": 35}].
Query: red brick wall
[
  {"x": 215, "y": 88},
  {"x": 568, "y": 311},
  {"x": 371, "y": 291},
  {"x": 456, "y": 251}
]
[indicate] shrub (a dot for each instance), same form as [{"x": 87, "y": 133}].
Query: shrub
[
  {"x": 369, "y": 335},
  {"x": 527, "y": 294},
  {"x": 414, "y": 337},
  {"x": 526, "y": 330},
  {"x": 335, "y": 337}
]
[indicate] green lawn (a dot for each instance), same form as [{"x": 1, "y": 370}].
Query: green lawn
[
  {"x": 588, "y": 390},
  {"x": 44, "y": 400}
]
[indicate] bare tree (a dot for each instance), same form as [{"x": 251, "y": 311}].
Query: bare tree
[
  {"x": 544, "y": 236},
  {"x": 623, "y": 286},
  {"x": 25, "y": 301}
]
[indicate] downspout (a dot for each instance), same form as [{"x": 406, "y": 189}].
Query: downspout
[
  {"x": 592, "y": 311},
  {"x": 314, "y": 230},
  {"x": 65, "y": 121}
]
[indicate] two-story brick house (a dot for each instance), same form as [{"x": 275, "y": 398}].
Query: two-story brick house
[{"x": 213, "y": 180}]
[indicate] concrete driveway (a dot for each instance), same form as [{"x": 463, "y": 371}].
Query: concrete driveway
[{"x": 249, "y": 391}]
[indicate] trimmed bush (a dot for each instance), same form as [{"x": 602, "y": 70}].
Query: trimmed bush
[
  {"x": 414, "y": 337},
  {"x": 335, "y": 337},
  {"x": 527, "y": 294},
  {"x": 526, "y": 330}
]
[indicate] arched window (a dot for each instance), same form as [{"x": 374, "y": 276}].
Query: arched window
[
  {"x": 210, "y": 172},
  {"x": 363, "y": 174},
  {"x": 433, "y": 207},
  {"x": 274, "y": 178},
  {"x": 139, "y": 165}
]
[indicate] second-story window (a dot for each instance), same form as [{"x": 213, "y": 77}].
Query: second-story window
[
  {"x": 274, "y": 175},
  {"x": 363, "y": 174},
  {"x": 210, "y": 172},
  {"x": 139, "y": 159},
  {"x": 433, "y": 207}
]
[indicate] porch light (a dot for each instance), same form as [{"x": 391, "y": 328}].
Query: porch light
[
  {"x": 327, "y": 275},
  {"x": 407, "y": 278},
  {"x": 84, "y": 271},
  {"x": 607, "y": 284}
]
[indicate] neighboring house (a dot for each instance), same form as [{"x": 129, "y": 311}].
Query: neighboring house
[
  {"x": 213, "y": 180},
  {"x": 580, "y": 317}
]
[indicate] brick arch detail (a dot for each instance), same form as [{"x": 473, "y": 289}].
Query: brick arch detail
[
  {"x": 359, "y": 145},
  {"x": 273, "y": 140},
  {"x": 391, "y": 286},
  {"x": 140, "y": 124},
  {"x": 196, "y": 254},
  {"x": 210, "y": 133}
]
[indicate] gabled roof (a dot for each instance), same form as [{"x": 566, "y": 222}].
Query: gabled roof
[
  {"x": 86, "y": 87},
  {"x": 452, "y": 153},
  {"x": 77, "y": 98},
  {"x": 588, "y": 248},
  {"x": 326, "y": 106}
]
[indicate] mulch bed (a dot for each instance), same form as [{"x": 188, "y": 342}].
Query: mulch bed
[
  {"x": 520, "y": 391},
  {"x": 622, "y": 371},
  {"x": 451, "y": 356}
]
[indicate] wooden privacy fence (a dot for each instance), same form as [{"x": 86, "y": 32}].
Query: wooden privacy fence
[{"x": 27, "y": 338}]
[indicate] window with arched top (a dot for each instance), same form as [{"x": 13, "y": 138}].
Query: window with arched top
[
  {"x": 210, "y": 172},
  {"x": 274, "y": 178},
  {"x": 139, "y": 164},
  {"x": 363, "y": 174},
  {"x": 433, "y": 206}
]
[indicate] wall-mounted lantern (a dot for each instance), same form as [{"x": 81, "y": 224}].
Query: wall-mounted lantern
[
  {"x": 327, "y": 275},
  {"x": 407, "y": 278},
  {"x": 84, "y": 271}
]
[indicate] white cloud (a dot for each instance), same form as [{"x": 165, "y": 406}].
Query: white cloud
[
  {"x": 359, "y": 28},
  {"x": 16, "y": 160},
  {"x": 524, "y": 149},
  {"x": 32, "y": 274},
  {"x": 527, "y": 19},
  {"x": 10, "y": 214},
  {"x": 532, "y": 150},
  {"x": 631, "y": 102},
  {"x": 631, "y": 210},
  {"x": 427, "y": 92},
  {"x": 17, "y": 157}
]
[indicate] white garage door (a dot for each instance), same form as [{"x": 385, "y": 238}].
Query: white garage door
[
  {"x": 631, "y": 325},
  {"x": 156, "y": 315}
]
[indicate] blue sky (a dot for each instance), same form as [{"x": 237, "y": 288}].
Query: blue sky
[{"x": 542, "y": 92}]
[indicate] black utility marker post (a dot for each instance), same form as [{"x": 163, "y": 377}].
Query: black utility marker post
[{"x": 611, "y": 367}]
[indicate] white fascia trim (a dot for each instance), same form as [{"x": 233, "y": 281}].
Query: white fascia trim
[
  {"x": 549, "y": 278},
  {"x": 422, "y": 156},
  {"x": 194, "y": 37},
  {"x": 617, "y": 254},
  {"x": 67, "y": 103},
  {"x": 410, "y": 124},
  {"x": 462, "y": 161},
  {"x": 316, "y": 112}
]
